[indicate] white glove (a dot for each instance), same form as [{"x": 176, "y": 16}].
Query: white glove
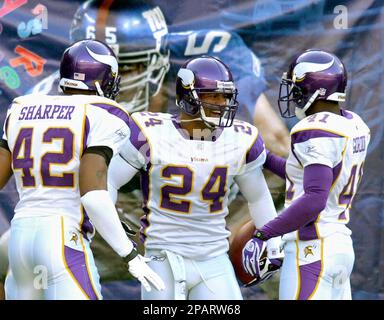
[
  {"x": 275, "y": 248},
  {"x": 141, "y": 271}
]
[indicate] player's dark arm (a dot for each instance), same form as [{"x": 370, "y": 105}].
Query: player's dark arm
[
  {"x": 276, "y": 164},
  {"x": 94, "y": 169},
  {"x": 5, "y": 163},
  {"x": 317, "y": 184}
]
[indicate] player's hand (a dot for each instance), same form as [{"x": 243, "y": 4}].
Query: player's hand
[
  {"x": 251, "y": 256},
  {"x": 141, "y": 271},
  {"x": 256, "y": 262}
]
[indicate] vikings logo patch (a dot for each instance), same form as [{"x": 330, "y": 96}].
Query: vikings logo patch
[
  {"x": 308, "y": 250},
  {"x": 74, "y": 237}
]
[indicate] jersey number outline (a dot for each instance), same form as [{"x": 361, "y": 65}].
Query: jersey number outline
[
  {"x": 349, "y": 190},
  {"x": 213, "y": 191},
  {"x": 22, "y": 157}
]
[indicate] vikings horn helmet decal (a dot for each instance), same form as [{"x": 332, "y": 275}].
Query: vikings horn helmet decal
[
  {"x": 313, "y": 75},
  {"x": 90, "y": 65}
]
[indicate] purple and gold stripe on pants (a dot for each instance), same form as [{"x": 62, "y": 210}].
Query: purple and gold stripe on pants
[
  {"x": 309, "y": 276},
  {"x": 76, "y": 263}
]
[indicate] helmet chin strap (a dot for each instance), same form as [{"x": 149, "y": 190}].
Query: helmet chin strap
[
  {"x": 210, "y": 122},
  {"x": 300, "y": 112},
  {"x": 98, "y": 88},
  {"x": 190, "y": 120},
  {"x": 207, "y": 123}
]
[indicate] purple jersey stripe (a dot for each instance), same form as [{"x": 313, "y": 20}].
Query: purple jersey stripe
[
  {"x": 76, "y": 263},
  {"x": 116, "y": 111},
  {"x": 336, "y": 171},
  {"x": 145, "y": 183},
  {"x": 144, "y": 223},
  {"x": 145, "y": 189},
  {"x": 139, "y": 140},
  {"x": 309, "y": 277},
  {"x": 346, "y": 114},
  {"x": 343, "y": 216},
  {"x": 256, "y": 149},
  {"x": 305, "y": 135}
]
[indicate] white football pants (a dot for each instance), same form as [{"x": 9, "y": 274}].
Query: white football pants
[
  {"x": 50, "y": 259},
  {"x": 186, "y": 279},
  {"x": 317, "y": 269}
]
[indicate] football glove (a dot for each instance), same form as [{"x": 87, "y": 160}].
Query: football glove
[
  {"x": 139, "y": 269},
  {"x": 256, "y": 262}
]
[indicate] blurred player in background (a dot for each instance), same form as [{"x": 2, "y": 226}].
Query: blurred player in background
[
  {"x": 136, "y": 32},
  {"x": 187, "y": 163},
  {"x": 322, "y": 172},
  {"x": 59, "y": 147}
]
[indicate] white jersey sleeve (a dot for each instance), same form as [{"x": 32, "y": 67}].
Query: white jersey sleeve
[
  {"x": 255, "y": 155},
  {"x": 6, "y": 121},
  {"x": 107, "y": 125},
  {"x": 137, "y": 150},
  {"x": 318, "y": 146}
]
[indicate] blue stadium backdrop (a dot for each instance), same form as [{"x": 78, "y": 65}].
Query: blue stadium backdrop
[{"x": 34, "y": 33}]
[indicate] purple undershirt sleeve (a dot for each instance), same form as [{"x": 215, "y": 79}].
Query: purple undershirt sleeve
[
  {"x": 318, "y": 180},
  {"x": 275, "y": 164}
]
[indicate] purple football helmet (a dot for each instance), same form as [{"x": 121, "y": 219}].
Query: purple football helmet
[
  {"x": 206, "y": 74},
  {"x": 90, "y": 65},
  {"x": 313, "y": 75}
]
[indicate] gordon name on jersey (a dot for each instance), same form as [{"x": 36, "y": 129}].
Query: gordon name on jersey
[
  {"x": 339, "y": 142},
  {"x": 186, "y": 182}
]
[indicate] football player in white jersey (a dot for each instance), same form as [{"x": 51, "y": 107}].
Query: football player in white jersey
[
  {"x": 322, "y": 172},
  {"x": 187, "y": 164},
  {"x": 59, "y": 148}
]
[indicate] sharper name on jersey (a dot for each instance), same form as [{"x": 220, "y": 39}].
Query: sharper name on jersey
[{"x": 48, "y": 111}]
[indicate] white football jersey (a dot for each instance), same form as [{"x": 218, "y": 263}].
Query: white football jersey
[
  {"x": 339, "y": 142},
  {"x": 186, "y": 182},
  {"x": 47, "y": 136}
]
